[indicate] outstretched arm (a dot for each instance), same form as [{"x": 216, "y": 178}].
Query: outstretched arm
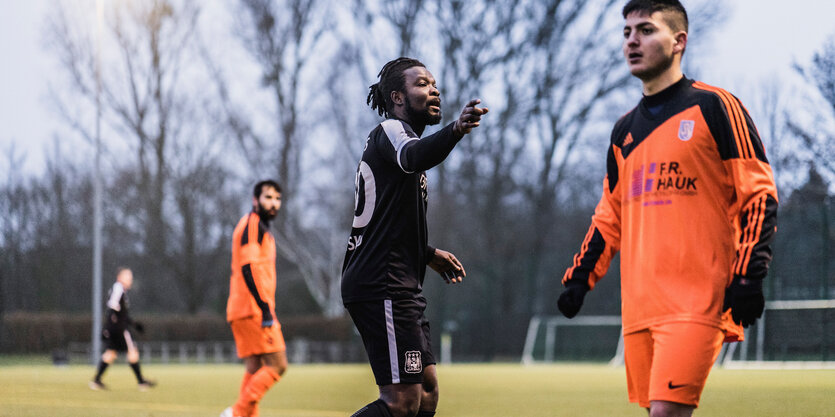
[
  {"x": 423, "y": 154},
  {"x": 469, "y": 118}
]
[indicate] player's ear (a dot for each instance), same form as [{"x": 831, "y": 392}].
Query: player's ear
[
  {"x": 397, "y": 98},
  {"x": 681, "y": 42}
]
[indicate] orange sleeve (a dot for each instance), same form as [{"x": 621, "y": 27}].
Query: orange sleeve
[
  {"x": 754, "y": 208},
  {"x": 257, "y": 267},
  {"x": 754, "y": 211},
  {"x": 602, "y": 240},
  {"x": 756, "y": 221}
]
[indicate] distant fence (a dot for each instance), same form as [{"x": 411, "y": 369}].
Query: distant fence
[
  {"x": 161, "y": 352},
  {"x": 177, "y": 338}
]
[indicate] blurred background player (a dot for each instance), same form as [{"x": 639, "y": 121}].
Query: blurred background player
[
  {"x": 689, "y": 200},
  {"x": 250, "y": 309},
  {"x": 388, "y": 249},
  {"x": 116, "y": 332}
]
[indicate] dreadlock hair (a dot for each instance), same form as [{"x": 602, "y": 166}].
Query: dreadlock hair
[
  {"x": 676, "y": 17},
  {"x": 391, "y": 79}
]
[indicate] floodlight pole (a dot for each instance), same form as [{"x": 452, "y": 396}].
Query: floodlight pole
[{"x": 97, "y": 200}]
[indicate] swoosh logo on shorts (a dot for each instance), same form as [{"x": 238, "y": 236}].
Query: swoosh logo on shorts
[{"x": 671, "y": 386}]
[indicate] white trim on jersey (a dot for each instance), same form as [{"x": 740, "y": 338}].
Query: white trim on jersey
[
  {"x": 398, "y": 137},
  {"x": 395, "y": 367},
  {"x": 115, "y": 296}
]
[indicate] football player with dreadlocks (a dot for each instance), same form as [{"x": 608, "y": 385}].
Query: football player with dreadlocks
[{"x": 388, "y": 248}]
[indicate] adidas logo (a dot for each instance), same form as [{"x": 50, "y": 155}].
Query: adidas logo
[{"x": 628, "y": 141}]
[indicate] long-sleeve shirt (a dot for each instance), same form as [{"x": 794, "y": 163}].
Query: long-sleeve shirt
[
  {"x": 117, "y": 315},
  {"x": 252, "y": 283},
  {"x": 690, "y": 202},
  {"x": 388, "y": 247}
]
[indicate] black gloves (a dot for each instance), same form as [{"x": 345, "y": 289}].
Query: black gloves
[
  {"x": 266, "y": 317},
  {"x": 572, "y": 298},
  {"x": 745, "y": 299},
  {"x": 139, "y": 327}
]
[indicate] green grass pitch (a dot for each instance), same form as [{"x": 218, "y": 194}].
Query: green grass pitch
[{"x": 477, "y": 390}]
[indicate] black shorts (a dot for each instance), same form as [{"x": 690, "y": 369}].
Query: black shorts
[
  {"x": 118, "y": 339},
  {"x": 396, "y": 337}
]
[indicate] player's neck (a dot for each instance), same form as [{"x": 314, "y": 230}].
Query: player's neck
[
  {"x": 416, "y": 127},
  {"x": 662, "y": 81}
]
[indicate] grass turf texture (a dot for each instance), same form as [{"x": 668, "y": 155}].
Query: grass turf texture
[{"x": 478, "y": 390}]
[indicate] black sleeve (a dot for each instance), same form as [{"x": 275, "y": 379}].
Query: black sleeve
[
  {"x": 124, "y": 312},
  {"x": 759, "y": 225},
  {"x": 430, "y": 253},
  {"x": 250, "y": 284},
  {"x": 421, "y": 155}
]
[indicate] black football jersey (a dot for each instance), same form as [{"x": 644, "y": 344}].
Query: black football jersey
[
  {"x": 117, "y": 316},
  {"x": 388, "y": 247}
]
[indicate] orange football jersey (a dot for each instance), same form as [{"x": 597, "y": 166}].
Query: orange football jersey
[
  {"x": 689, "y": 200},
  {"x": 253, "y": 250}
]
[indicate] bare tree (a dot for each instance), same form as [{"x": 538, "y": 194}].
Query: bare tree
[
  {"x": 16, "y": 225},
  {"x": 156, "y": 138},
  {"x": 284, "y": 38},
  {"x": 818, "y": 141},
  {"x": 816, "y": 134}
]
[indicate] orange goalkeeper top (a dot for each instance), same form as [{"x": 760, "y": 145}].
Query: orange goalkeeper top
[
  {"x": 253, "y": 281},
  {"x": 689, "y": 200}
]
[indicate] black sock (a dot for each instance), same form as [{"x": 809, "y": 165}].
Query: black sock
[
  {"x": 137, "y": 372},
  {"x": 102, "y": 367},
  {"x": 425, "y": 413},
  {"x": 378, "y": 408}
]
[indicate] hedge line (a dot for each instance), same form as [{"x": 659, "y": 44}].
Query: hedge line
[{"x": 28, "y": 332}]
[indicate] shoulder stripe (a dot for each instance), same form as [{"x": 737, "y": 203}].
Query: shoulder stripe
[
  {"x": 733, "y": 117},
  {"x": 736, "y": 117},
  {"x": 399, "y": 137},
  {"x": 744, "y": 239}
]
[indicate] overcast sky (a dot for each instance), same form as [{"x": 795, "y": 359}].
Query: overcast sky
[{"x": 762, "y": 38}]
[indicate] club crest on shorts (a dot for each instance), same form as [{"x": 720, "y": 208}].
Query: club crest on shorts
[
  {"x": 413, "y": 363},
  {"x": 685, "y": 129}
]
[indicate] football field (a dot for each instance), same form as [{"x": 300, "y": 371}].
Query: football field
[{"x": 476, "y": 390}]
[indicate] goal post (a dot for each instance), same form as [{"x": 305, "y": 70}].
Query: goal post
[
  {"x": 541, "y": 338},
  {"x": 790, "y": 333}
]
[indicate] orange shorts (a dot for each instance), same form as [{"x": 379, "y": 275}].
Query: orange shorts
[
  {"x": 252, "y": 339},
  {"x": 670, "y": 362}
]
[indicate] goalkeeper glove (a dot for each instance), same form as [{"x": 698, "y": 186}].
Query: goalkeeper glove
[
  {"x": 572, "y": 298},
  {"x": 745, "y": 299}
]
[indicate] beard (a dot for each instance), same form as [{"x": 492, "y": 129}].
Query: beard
[
  {"x": 421, "y": 116},
  {"x": 654, "y": 71},
  {"x": 265, "y": 214}
]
